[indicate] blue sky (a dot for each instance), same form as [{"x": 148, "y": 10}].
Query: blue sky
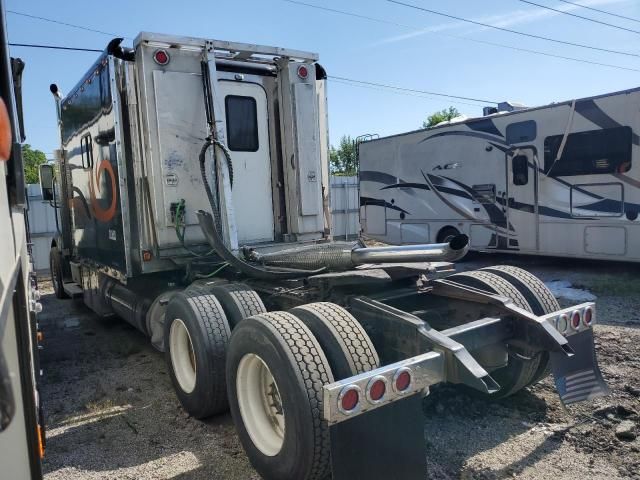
[{"x": 425, "y": 53}]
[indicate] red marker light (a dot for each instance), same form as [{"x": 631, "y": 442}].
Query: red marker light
[
  {"x": 377, "y": 390},
  {"x": 402, "y": 380},
  {"x": 587, "y": 318},
  {"x": 349, "y": 398},
  {"x": 161, "y": 57},
  {"x": 575, "y": 320},
  {"x": 303, "y": 72}
]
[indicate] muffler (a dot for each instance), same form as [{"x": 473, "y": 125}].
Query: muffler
[{"x": 345, "y": 256}]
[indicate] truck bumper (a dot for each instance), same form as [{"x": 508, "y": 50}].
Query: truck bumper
[{"x": 390, "y": 438}]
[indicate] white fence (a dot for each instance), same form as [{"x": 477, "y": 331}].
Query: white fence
[
  {"x": 345, "y": 207},
  {"x": 42, "y": 224}
]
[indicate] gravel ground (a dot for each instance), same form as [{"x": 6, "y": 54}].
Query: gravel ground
[{"x": 112, "y": 413}]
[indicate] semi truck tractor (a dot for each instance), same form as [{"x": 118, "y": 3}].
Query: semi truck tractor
[{"x": 192, "y": 185}]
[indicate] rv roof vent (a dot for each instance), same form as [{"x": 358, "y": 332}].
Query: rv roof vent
[
  {"x": 510, "y": 106},
  {"x": 489, "y": 111}
]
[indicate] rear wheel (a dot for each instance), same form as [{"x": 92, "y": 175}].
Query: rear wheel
[
  {"x": 539, "y": 297},
  {"x": 523, "y": 362},
  {"x": 345, "y": 343},
  {"x": 275, "y": 373},
  {"x": 238, "y": 301},
  {"x": 55, "y": 267},
  {"x": 196, "y": 333}
]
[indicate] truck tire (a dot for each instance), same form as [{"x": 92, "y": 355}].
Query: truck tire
[
  {"x": 347, "y": 346},
  {"x": 196, "y": 334},
  {"x": 531, "y": 287},
  {"x": 522, "y": 368},
  {"x": 539, "y": 297},
  {"x": 238, "y": 301},
  {"x": 275, "y": 373},
  {"x": 55, "y": 267}
]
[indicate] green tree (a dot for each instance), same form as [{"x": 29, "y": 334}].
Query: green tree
[
  {"x": 32, "y": 159},
  {"x": 441, "y": 116},
  {"x": 343, "y": 159}
]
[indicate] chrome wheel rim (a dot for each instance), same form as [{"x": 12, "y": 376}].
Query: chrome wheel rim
[
  {"x": 183, "y": 358},
  {"x": 260, "y": 404}
]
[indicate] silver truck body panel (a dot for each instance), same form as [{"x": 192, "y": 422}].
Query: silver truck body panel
[{"x": 157, "y": 115}]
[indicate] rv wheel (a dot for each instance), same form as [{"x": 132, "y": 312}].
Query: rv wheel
[
  {"x": 55, "y": 266},
  {"x": 523, "y": 362},
  {"x": 275, "y": 373},
  {"x": 447, "y": 234},
  {"x": 347, "y": 346},
  {"x": 238, "y": 301},
  {"x": 196, "y": 333},
  {"x": 540, "y": 299}
]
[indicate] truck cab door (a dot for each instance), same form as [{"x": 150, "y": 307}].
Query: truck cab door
[{"x": 521, "y": 199}]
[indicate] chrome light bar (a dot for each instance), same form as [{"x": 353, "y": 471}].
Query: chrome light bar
[{"x": 367, "y": 391}]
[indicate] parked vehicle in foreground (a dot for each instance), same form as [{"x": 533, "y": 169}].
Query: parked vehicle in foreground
[
  {"x": 560, "y": 180},
  {"x": 21, "y": 420},
  {"x": 192, "y": 186}
]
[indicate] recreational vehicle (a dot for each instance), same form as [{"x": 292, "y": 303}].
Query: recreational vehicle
[
  {"x": 559, "y": 180},
  {"x": 192, "y": 184},
  {"x": 21, "y": 420}
]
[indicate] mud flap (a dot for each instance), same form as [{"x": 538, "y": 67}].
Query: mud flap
[
  {"x": 578, "y": 377},
  {"x": 385, "y": 443}
]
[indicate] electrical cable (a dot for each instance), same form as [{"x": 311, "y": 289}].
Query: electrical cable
[
  {"x": 66, "y": 24},
  {"x": 181, "y": 227},
  {"x": 460, "y": 37},
  {"x": 563, "y": 12},
  {"x": 515, "y": 32},
  {"x": 601, "y": 11},
  {"x": 396, "y": 92},
  {"x": 54, "y": 47},
  {"x": 403, "y": 89}
]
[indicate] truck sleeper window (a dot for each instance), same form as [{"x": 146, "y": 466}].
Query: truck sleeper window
[
  {"x": 589, "y": 153},
  {"x": 242, "y": 123}
]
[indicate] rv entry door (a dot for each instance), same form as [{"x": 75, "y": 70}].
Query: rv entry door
[
  {"x": 521, "y": 203},
  {"x": 246, "y": 113}
]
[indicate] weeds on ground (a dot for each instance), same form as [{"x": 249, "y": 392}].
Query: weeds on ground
[
  {"x": 96, "y": 406},
  {"x": 607, "y": 284}
]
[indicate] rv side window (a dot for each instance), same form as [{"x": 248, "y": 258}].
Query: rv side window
[
  {"x": 521, "y": 132},
  {"x": 589, "y": 153},
  {"x": 242, "y": 123},
  {"x": 86, "y": 147},
  {"x": 520, "y": 168}
]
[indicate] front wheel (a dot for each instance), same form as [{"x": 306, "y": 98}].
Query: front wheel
[{"x": 275, "y": 373}]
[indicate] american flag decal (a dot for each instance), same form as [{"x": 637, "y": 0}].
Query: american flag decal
[
  {"x": 578, "y": 377},
  {"x": 580, "y": 386}
]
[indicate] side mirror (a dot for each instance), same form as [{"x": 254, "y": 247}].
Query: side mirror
[{"x": 46, "y": 181}]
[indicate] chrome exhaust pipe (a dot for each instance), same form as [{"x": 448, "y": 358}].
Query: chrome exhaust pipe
[
  {"x": 344, "y": 256},
  {"x": 436, "y": 252}
]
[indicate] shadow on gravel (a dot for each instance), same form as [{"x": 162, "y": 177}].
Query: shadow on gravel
[
  {"x": 111, "y": 409},
  {"x": 460, "y": 423}
]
